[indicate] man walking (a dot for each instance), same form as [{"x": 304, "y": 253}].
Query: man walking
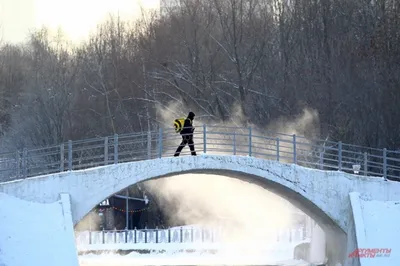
[{"x": 187, "y": 135}]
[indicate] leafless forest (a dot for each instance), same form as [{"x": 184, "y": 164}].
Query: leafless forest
[{"x": 262, "y": 59}]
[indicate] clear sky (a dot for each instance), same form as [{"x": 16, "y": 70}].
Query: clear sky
[{"x": 76, "y": 17}]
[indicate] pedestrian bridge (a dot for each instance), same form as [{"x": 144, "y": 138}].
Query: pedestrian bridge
[
  {"x": 323, "y": 195},
  {"x": 316, "y": 176}
]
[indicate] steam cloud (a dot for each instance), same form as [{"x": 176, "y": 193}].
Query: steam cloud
[
  {"x": 250, "y": 211},
  {"x": 247, "y": 211},
  {"x": 305, "y": 124}
]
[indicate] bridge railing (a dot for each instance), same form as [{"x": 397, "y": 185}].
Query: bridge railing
[
  {"x": 178, "y": 235},
  {"x": 313, "y": 153}
]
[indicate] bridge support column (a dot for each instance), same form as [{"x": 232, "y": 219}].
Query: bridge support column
[
  {"x": 326, "y": 246},
  {"x": 336, "y": 247},
  {"x": 317, "y": 245}
]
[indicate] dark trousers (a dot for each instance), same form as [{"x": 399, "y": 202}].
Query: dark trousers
[{"x": 186, "y": 140}]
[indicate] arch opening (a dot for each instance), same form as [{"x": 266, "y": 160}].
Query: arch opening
[
  {"x": 161, "y": 187},
  {"x": 296, "y": 199}
]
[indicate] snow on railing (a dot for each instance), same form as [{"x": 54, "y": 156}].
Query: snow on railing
[
  {"x": 176, "y": 235},
  {"x": 312, "y": 153}
]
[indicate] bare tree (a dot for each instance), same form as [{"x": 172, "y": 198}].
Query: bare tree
[{"x": 41, "y": 118}]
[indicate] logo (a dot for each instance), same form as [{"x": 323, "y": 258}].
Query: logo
[{"x": 370, "y": 253}]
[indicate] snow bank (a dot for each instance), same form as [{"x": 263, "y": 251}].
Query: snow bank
[
  {"x": 36, "y": 234},
  {"x": 278, "y": 247},
  {"x": 244, "y": 253},
  {"x": 184, "y": 258},
  {"x": 377, "y": 227},
  {"x": 381, "y": 230}
]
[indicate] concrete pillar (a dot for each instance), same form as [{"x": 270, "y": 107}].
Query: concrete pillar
[
  {"x": 309, "y": 226},
  {"x": 318, "y": 245}
]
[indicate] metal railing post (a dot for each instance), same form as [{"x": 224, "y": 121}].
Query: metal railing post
[
  {"x": 149, "y": 144},
  {"x": 18, "y": 163},
  {"x": 135, "y": 235},
  {"x": 250, "y": 141},
  {"x": 294, "y": 149},
  {"x": 277, "y": 149},
  {"x": 321, "y": 160},
  {"x": 127, "y": 210},
  {"x": 204, "y": 138},
  {"x": 115, "y": 148},
  {"x": 25, "y": 162},
  {"x": 70, "y": 155},
  {"x": 62, "y": 157},
  {"x": 385, "y": 163},
  {"x": 105, "y": 150},
  {"x": 160, "y": 143},
  {"x": 340, "y": 156},
  {"x": 234, "y": 143},
  {"x": 156, "y": 234},
  {"x": 365, "y": 164}
]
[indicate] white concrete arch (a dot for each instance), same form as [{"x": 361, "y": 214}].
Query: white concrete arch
[{"x": 323, "y": 195}]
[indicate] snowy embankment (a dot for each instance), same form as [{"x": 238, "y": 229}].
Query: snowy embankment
[
  {"x": 195, "y": 252},
  {"x": 191, "y": 237},
  {"x": 377, "y": 227},
  {"x": 36, "y": 234},
  {"x": 284, "y": 248},
  {"x": 227, "y": 257}
]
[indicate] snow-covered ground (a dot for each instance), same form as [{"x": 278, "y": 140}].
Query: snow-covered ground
[
  {"x": 273, "y": 247},
  {"x": 219, "y": 251},
  {"x": 227, "y": 257},
  {"x": 380, "y": 229},
  {"x": 35, "y": 234}
]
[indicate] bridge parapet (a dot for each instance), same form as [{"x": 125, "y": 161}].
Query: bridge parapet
[{"x": 312, "y": 153}]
